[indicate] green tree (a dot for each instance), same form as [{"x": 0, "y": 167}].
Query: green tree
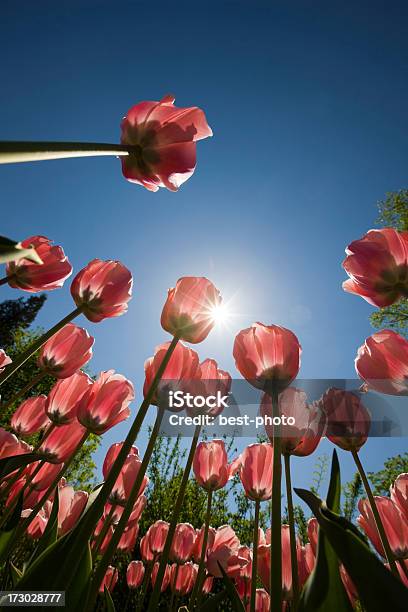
[
  {"x": 393, "y": 213},
  {"x": 383, "y": 479},
  {"x": 16, "y": 317}
]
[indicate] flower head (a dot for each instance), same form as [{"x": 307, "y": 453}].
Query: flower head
[{"x": 66, "y": 351}]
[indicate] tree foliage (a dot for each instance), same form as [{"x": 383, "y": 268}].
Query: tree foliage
[{"x": 383, "y": 479}]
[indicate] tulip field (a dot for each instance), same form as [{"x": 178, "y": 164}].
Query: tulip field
[{"x": 93, "y": 546}]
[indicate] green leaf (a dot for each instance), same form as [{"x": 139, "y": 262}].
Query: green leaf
[
  {"x": 6, "y": 534},
  {"x": 15, "y": 574},
  {"x": 10, "y": 464},
  {"x": 324, "y": 588},
  {"x": 232, "y": 593},
  {"x": 110, "y": 606},
  {"x": 377, "y": 587},
  {"x": 50, "y": 533},
  {"x": 10, "y": 250}
]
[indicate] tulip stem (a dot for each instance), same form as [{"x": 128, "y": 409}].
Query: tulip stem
[
  {"x": 376, "y": 514},
  {"x": 19, "y": 151},
  {"x": 174, "y": 588},
  {"x": 34, "y": 381},
  {"x": 105, "y": 528},
  {"x": 4, "y": 281},
  {"x": 292, "y": 533},
  {"x": 276, "y": 534},
  {"x": 154, "y": 599},
  {"x": 120, "y": 527},
  {"x": 33, "y": 348},
  {"x": 201, "y": 566},
  {"x": 255, "y": 556},
  {"x": 145, "y": 584}
]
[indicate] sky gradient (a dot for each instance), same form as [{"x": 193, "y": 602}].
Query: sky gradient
[{"x": 308, "y": 104}]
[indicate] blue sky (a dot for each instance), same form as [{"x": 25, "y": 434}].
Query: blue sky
[{"x": 308, "y": 104}]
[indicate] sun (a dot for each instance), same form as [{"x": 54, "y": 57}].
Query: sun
[{"x": 220, "y": 314}]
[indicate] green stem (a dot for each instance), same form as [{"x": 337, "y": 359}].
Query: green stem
[
  {"x": 120, "y": 527},
  {"x": 4, "y": 281},
  {"x": 276, "y": 533},
  {"x": 154, "y": 599},
  {"x": 376, "y": 514},
  {"x": 145, "y": 584},
  {"x": 174, "y": 588},
  {"x": 255, "y": 556},
  {"x": 15, "y": 151},
  {"x": 34, "y": 381},
  {"x": 33, "y": 348},
  {"x": 292, "y": 534},
  {"x": 103, "y": 531},
  {"x": 201, "y": 566}
]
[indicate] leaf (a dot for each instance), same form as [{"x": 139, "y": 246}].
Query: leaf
[
  {"x": 110, "y": 606},
  {"x": 10, "y": 464},
  {"x": 10, "y": 250},
  {"x": 324, "y": 588},
  {"x": 15, "y": 574},
  {"x": 213, "y": 602},
  {"x": 6, "y": 534},
  {"x": 232, "y": 593},
  {"x": 50, "y": 533},
  {"x": 377, "y": 587}
]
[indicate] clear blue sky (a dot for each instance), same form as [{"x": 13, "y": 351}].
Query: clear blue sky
[{"x": 308, "y": 104}]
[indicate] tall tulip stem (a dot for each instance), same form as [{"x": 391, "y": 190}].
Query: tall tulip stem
[
  {"x": 255, "y": 556},
  {"x": 173, "y": 590},
  {"x": 12, "y": 152},
  {"x": 154, "y": 599},
  {"x": 4, "y": 281},
  {"x": 105, "y": 528},
  {"x": 376, "y": 514},
  {"x": 120, "y": 527},
  {"x": 292, "y": 534},
  {"x": 201, "y": 566},
  {"x": 33, "y": 348},
  {"x": 276, "y": 533}
]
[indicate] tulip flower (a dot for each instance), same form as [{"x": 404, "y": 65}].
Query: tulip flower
[
  {"x": 399, "y": 494},
  {"x": 182, "y": 578},
  {"x": 124, "y": 483},
  {"x": 348, "y": 421},
  {"x": 10, "y": 445},
  {"x": 166, "y": 577},
  {"x": 183, "y": 543},
  {"x": 102, "y": 289},
  {"x": 106, "y": 402},
  {"x": 4, "y": 360},
  {"x": 62, "y": 403},
  {"x": 156, "y": 537},
  {"x": 382, "y": 362},
  {"x": 313, "y": 533},
  {"x": 37, "y": 527},
  {"x": 110, "y": 579},
  {"x": 210, "y": 465},
  {"x": 66, "y": 352},
  {"x": 377, "y": 265},
  {"x": 128, "y": 538},
  {"x": 262, "y": 601},
  {"x": 163, "y": 139},
  {"x": 348, "y": 584},
  {"x": 223, "y": 544},
  {"x": 395, "y": 526},
  {"x": 198, "y": 544},
  {"x": 189, "y": 309},
  {"x": 30, "y": 417},
  {"x": 33, "y": 277},
  {"x": 207, "y": 585},
  {"x": 112, "y": 454},
  {"x": 62, "y": 442},
  {"x": 213, "y": 381},
  {"x": 182, "y": 367},
  {"x": 145, "y": 551},
  {"x": 134, "y": 574},
  {"x": 71, "y": 506},
  {"x": 256, "y": 471}
]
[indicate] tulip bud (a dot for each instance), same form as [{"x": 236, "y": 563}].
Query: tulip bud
[
  {"x": 256, "y": 471},
  {"x": 66, "y": 351},
  {"x": 30, "y": 417},
  {"x": 63, "y": 400},
  {"x": 135, "y": 574},
  {"x": 210, "y": 465},
  {"x": 182, "y": 543}
]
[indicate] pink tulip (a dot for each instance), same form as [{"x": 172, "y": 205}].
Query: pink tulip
[
  {"x": 44, "y": 477},
  {"x": 303, "y": 437},
  {"x": 164, "y": 137},
  {"x": 71, "y": 506},
  {"x": 136, "y": 513},
  {"x": 262, "y": 601},
  {"x": 102, "y": 289},
  {"x": 377, "y": 265},
  {"x": 399, "y": 494},
  {"x": 182, "y": 578},
  {"x": 348, "y": 421},
  {"x": 126, "y": 479},
  {"x": 10, "y": 445},
  {"x": 395, "y": 526},
  {"x": 348, "y": 584},
  {"x": 189, "y": 309},
  {"x": 99, "y": 526},
  {"x": 210, "y": 465},
  {"x": 66, "y": 351},
  {"x": 382, "y": 362},
  {"x": 256, "y": 471},
  {"x": 166, "y": 578},
  {"x": 30, "y": 416},
  {"x": 156, "y": 537},
  {"x": 4, "y": 360},
  {"x": 106, "y": 402},
  {"x": 267, "y": 356},
  {"x": 111, "y": 457},
  {"x": 134, "y": 574},
  {"x": 109, "y": 580},
  {"x": 207, "y": 585},
  {"x": 128, "y": 538},
  {"x": 63, "y": 400},
  {"x": 403, "y": 574},
  {"x": 183, "y": 368},
  {"x": 62, "y": 442},
  {"x": 145, "y": 551},
  {"x": 37, "y": 527},
  {"x": 313, "y": 533},
  {"x": 183, "y": 543},
  {"x": 213, "y": 381},
  {"x": 198, "y": 544},
  {"x": 223, "y": 544},
  {"x": 33, "y": 277}
]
